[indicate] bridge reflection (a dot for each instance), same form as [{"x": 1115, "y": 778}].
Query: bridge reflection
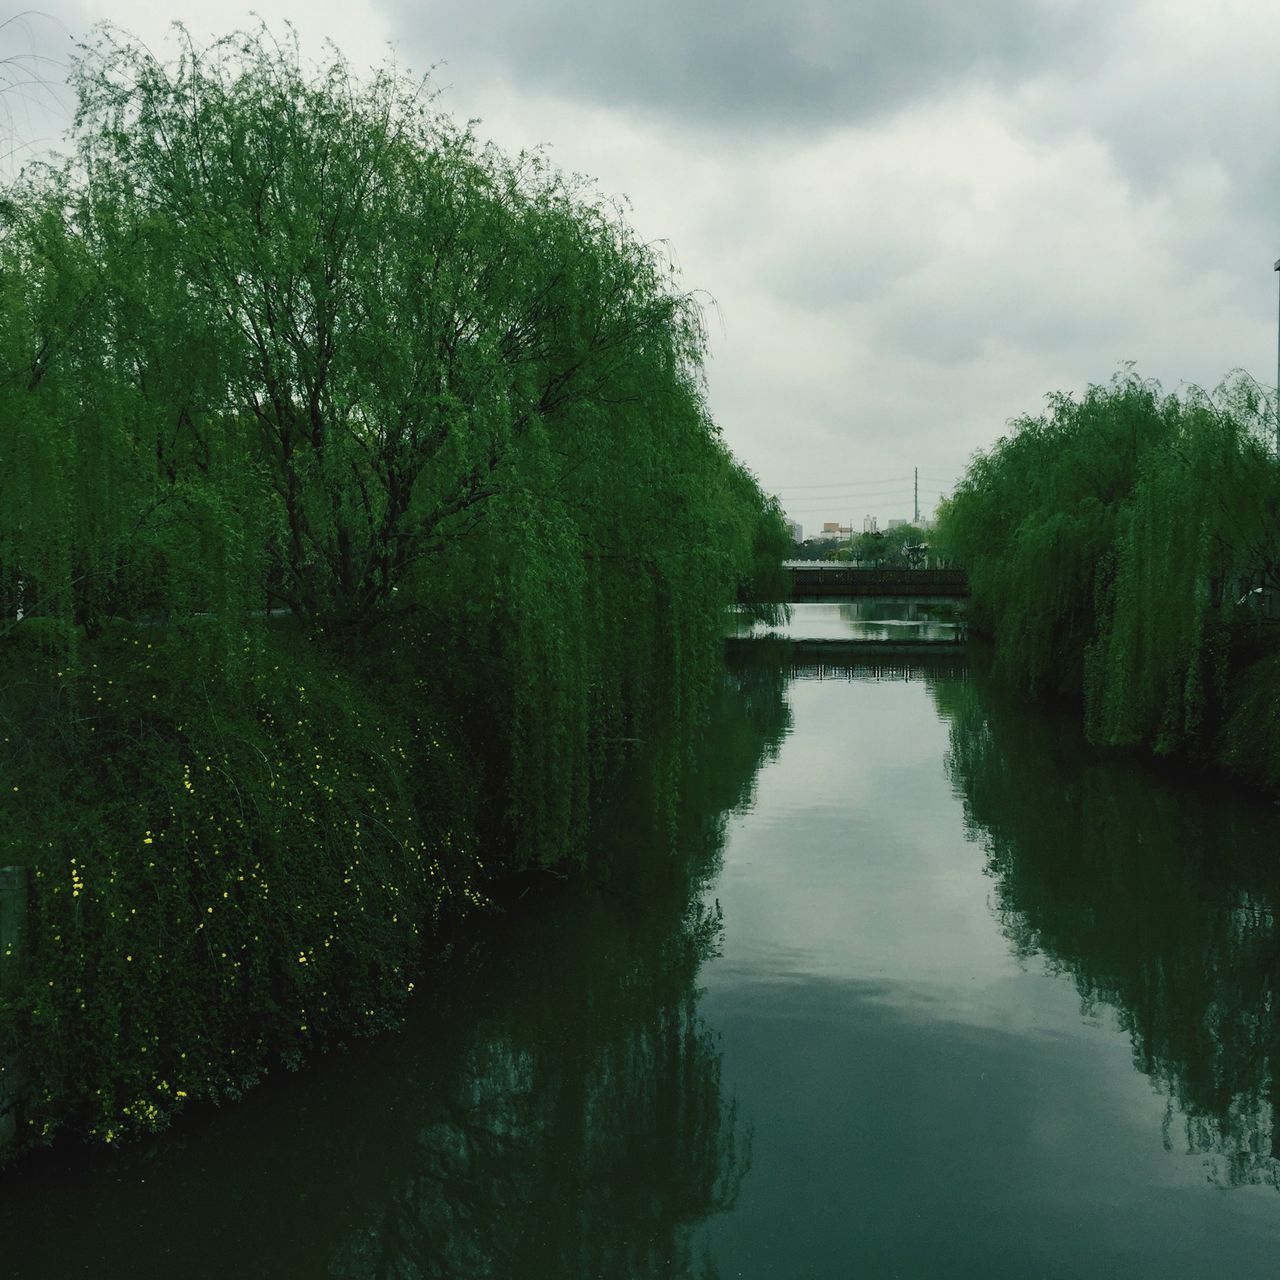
[{"x": 854, "y": 660}]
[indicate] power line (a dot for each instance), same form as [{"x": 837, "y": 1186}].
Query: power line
[
  {"x": 858, "y": 497},
  {"x": 833, "y": 513},
  {"x": 873, "y": 488},
  {"x": 810, "y": 500},
  {"x": 880, "y": 499},
  {"x": 843, "y": 484},
  {"x": 836, "y": 496}
]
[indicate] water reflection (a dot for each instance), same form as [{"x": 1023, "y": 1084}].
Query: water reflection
[
  {"x": 884, "y": 619},
  {"x": 551, "y": 1159},
  {"x": 922, "y": 1104},
  {"x": 1157, "y": 895},
  {"x": 769, "y": 657},
  {"x": 556, "y": 1111}
]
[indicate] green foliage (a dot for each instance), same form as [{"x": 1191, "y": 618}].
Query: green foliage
[
  {"x": 1108, "y": 542},
  {"x": 219, "y": 884},
  {"x": 1249, "y": 745},
  {"x": 901, "y": 547},
  {"x": 1198, "y": 531},
  {"x": 327, "y": 426}
]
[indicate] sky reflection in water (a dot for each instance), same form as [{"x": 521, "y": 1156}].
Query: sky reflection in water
[{"x": 952, "y": 934}]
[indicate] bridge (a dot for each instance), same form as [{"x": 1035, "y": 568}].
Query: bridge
[{"x": 825, "y": 580}]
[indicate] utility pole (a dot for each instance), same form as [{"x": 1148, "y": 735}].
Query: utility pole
[
  {"x": 1278, "y": 371},
  {"x": 917, "y": 520}
]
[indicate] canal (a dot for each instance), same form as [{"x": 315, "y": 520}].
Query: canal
[{"x": 909, "y": 983}]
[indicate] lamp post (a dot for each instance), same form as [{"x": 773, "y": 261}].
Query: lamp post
[{"x": 1278, "y": 370}]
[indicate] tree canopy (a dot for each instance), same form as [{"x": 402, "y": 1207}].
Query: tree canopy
[
  {"x": 280, "y": 338},
  {"x": 360, "y": 507},
  {"x": 261, "y": 294},
  {"x": 1114, "y": 544}
]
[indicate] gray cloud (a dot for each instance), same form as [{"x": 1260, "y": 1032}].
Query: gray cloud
[
  {"x": 1193, "y": 88},
  {"x": 808, "y": 64},
  {"x": 916, "y": 218}
]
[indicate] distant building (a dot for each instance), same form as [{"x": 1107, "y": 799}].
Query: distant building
[
  {"x": 870, "y": 524},
  {"x": 896, "y": 524},
  {"x": 796, "y": 531}
]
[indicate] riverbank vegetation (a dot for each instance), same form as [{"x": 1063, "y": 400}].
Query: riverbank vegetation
[
  {"x": 1123, "y": 549},
  {"x": 903, "y": 546},
  {"x": 359, "y": 507}
]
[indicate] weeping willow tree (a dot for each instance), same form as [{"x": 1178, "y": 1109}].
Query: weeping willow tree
[
  {"x": 1200, "y": 531},
  {"x": 284, "y": 339},
  {"x": 1118, "y": 547},
  {"x": 359, "y": 506},
  {"x": 1034, "y": 517}
]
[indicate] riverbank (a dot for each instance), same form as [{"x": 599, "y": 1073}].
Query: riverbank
[
  {"x": 223, "y": 878},
  {"x": 182, "y": 968},
  {"x": 1239, "y": 733}
]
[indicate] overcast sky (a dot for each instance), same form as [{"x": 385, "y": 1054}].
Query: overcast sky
[{"x": 911, "y": 219}]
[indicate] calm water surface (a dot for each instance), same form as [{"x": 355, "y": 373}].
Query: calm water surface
[
  {"x": 889, "y": 619},
  {"x": 915, "y": 986}
]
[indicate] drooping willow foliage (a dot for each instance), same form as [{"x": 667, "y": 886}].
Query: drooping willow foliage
[
  {"x": 359, "y": 506},
  {"x": 1119, "y": 549}
]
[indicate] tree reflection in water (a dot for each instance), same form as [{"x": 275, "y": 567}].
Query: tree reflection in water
[
  {"x": 584, "y": 1132},
  {"x": 555, "y": 1110},
  {"x": 1157, "y": 892},
  {"x": 593, "y": 1161}
]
